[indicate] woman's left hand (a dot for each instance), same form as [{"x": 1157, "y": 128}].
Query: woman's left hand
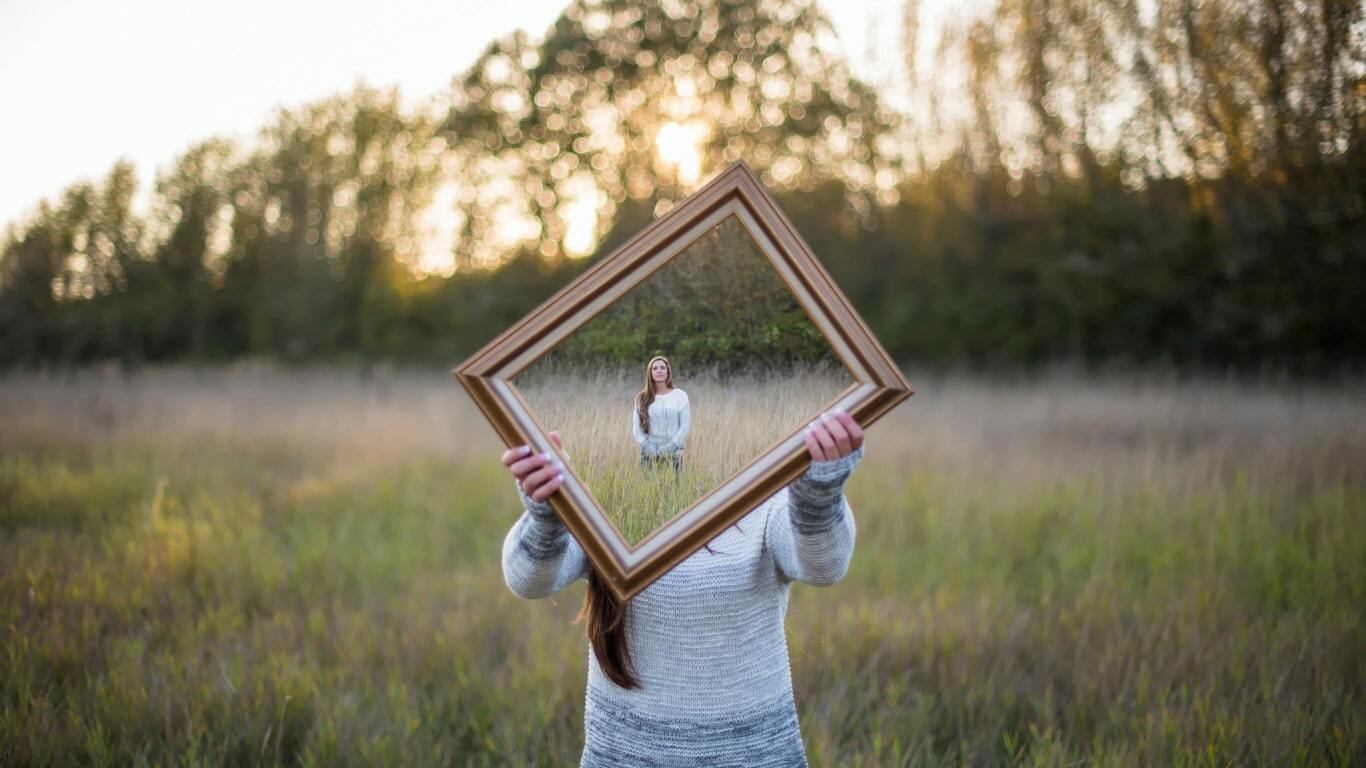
[{"x": 833, "y": 435}]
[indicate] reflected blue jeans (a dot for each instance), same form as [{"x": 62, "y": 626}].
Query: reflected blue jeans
[{"x": 655, "y": 462}]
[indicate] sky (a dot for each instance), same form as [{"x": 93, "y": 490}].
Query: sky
[{"x": 84, "y": 83}]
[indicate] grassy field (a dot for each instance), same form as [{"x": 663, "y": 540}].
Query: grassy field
[
  {"x": 734, "y": 419},
  {"x": 252, "y": 566}
]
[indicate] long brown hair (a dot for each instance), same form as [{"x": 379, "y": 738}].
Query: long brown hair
[
  {"x": 606, "y": 628},
  {"x": 647, "y": 395}
]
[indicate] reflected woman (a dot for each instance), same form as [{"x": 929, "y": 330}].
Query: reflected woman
[{"x": 661, "y": 417}]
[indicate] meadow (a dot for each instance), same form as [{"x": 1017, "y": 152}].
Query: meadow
[
  {"x": 735, "y": 418},
  {"x": 250, "y": 565}
]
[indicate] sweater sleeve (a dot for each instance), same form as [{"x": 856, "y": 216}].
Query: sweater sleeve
[
  {"x": 540, "y": 557},
  {"x": 636, "y": 431},
  {"x": 812, "y": 540},
  {"x": 684, "y": 425}
]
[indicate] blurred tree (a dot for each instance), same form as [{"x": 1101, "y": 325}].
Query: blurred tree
[
  {"x": 172, "y": 300},
  {"x": 637, "y": 101},
  {"x": 31, "y": 269},
  {"x": 322, "y": 223}
]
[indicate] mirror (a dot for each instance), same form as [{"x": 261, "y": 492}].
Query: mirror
[
  {"x": 734, "y": 362},
  {"x": 757, "y": 336}
]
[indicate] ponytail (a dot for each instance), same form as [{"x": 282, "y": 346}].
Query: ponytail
[{"x": 607, "y": 631}]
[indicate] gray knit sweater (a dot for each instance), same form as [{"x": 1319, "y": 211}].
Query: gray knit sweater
[{"x": 706, "y": 638}]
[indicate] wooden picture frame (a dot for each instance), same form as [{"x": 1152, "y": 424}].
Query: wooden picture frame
[{"x": 877, "y": 385}]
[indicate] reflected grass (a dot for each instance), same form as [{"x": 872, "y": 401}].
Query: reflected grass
[{"x": 735, "y": 418}]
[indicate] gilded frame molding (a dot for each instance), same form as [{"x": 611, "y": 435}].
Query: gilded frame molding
[{"x": 487, "y": 375}]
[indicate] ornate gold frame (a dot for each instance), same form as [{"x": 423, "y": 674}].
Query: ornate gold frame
[{"x": 487, "y": 375}]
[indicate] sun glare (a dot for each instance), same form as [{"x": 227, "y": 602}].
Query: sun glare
[
  {"x": 580, "y": 214},
  {"x": 438, "y": 224},
  {"x": 680, "y": 146}
]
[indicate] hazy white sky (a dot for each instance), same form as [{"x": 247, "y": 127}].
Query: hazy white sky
[{"x": 86, "y": 82}]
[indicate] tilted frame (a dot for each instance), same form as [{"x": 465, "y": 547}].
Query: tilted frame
[{"x": 487, "y": 375}]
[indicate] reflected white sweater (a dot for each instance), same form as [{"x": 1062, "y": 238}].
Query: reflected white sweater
[
  {"x": 670, "y": 417},
  {"x": 706, "y": 638}
]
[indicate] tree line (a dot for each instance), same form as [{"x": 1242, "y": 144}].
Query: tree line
[{"x": 1094, "y": 181}]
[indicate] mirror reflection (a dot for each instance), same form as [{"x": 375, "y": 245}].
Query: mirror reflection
[{"x": 682, "y": 381}]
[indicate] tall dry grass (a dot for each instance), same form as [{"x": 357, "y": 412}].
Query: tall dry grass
[
  {"x": 735, "y": 418},
  {"x": 250, "y": 565}
]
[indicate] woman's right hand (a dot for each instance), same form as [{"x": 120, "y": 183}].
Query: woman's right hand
[{"x": 539, "y": 474}]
